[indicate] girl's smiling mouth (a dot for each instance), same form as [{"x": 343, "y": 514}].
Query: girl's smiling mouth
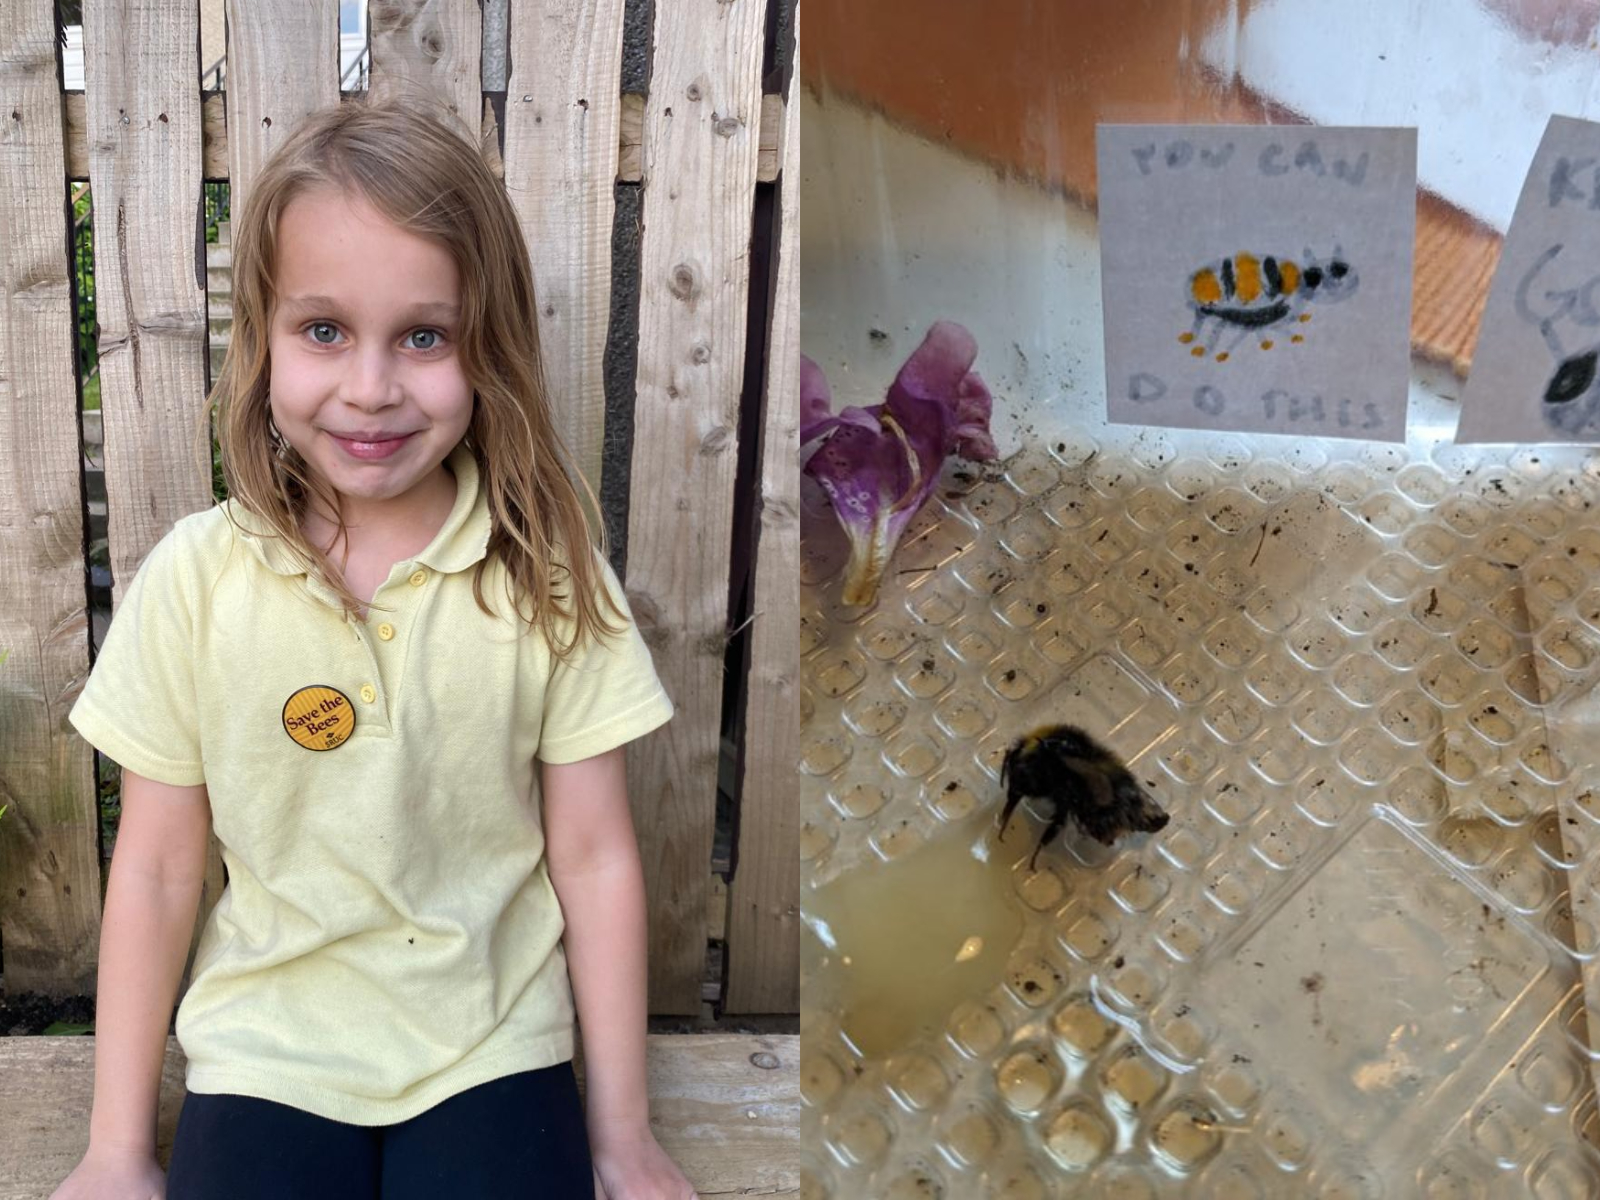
[{"x": 371, "y": 447}]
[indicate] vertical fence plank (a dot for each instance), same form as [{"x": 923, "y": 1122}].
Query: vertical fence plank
[
  {"x": 143, "y": 129},
  {"x": 764, "y": 900},
  {"x": 142, "y": 121},
  {"x": 563, "y": 116},
  {"x": 49, "y": 835},
  {"x": 283, "y": 64},
  {"x": 702, "y": 127},
  {"x": 437, "y": 46}
]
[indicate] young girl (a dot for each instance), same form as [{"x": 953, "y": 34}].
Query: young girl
[{"x": 348, "y": 670}]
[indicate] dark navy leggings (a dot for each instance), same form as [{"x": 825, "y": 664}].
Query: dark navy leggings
[{"x": 520, "y": 1136}]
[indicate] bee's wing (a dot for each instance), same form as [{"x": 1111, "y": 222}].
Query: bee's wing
[{"x": 1143, "y": 813}]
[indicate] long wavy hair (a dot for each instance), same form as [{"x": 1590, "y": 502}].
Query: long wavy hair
[{"x": 422, "y": 170}]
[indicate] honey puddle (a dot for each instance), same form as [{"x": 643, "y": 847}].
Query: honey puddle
[{"x": 896, "y": 946}]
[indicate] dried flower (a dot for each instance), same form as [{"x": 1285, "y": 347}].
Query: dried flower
[{"x": 879, "y": 465}]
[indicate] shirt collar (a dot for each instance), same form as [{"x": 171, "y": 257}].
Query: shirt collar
[{"x": 462, "y": 540}]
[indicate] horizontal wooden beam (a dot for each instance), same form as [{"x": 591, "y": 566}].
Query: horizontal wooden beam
[
  {"x": 214, "y": 137},
  {"x": 725, "y": 1106}
]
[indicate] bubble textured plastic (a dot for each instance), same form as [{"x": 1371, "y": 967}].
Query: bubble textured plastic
[{"x": 1351, "y": 965}]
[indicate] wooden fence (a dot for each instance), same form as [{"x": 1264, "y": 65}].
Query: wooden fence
[{"x": 145, "y": 136}]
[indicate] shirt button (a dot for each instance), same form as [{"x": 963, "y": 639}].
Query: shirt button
[
  {"x": 418, "y": 578},
  {"x": 368, "y": 693},
  {"x": 386, "y": 631}
]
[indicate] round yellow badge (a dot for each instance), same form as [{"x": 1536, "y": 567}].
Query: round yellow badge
[{"x": 319, "y": 717}]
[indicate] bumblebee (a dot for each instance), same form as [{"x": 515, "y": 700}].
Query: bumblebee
[
  {"x": 1081, "y": 779},
  {"x": 1245, "y": 294}
]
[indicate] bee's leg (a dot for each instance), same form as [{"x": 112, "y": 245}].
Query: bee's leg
[
  {"x": 1013, "y": 798},
  {"x": 1047, "y": 837},
  {"x": 1294, "y": 323},
  {"x": 1239, "y": 333}
]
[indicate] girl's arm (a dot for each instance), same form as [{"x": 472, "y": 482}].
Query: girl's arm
[
  {"x": 152, "y": 897},
  {"x": 594, "y": 865}
]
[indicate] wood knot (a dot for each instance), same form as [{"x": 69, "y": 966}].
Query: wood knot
[
  {"x": 716, "y": 441},
  {"x": 764, "y": 1059},
  {"x": 728, "y": 126},
  {"x": 693, "y": 91},
  {"x": 778, "y": 512},
  {"x": 684, "y": 282},
  {"x": 647, "y": 619},
  {"x": 700, "y": 354}
]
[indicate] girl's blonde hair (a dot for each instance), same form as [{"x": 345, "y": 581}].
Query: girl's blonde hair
[{"x": 421, "y": 171}]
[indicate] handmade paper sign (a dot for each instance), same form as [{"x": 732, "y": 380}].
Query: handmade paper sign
[
  {"x": 1258, "y": 278},
  {"x": 1533, "y": 374}
]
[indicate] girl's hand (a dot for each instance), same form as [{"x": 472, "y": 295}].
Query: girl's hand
[
  {"x": 114, "y": 1175},
  {"x": 638, "y": 1169}
]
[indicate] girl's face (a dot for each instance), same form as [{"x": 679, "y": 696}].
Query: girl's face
[{"x": 366, "y": 378}]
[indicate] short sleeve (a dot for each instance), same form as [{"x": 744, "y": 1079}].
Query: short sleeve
[
  {"x": 604, "y": 695},
  {"x": 138, "y": 707}
]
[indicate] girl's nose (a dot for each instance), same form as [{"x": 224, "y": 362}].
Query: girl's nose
[{"x": 371, "y": 380}]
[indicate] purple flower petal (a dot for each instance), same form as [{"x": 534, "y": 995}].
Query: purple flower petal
[
  {"x": 879, "y": 465},
  {"x": 816, "y": 401},
  {"x": 941, "y": 369},
  {"x": 973, "y": 407}
]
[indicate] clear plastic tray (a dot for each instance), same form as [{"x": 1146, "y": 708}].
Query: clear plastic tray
[{"x": 1356, "y": 676}]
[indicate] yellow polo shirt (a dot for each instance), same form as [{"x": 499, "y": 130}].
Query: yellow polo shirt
[{"x": 389, "y": 935}]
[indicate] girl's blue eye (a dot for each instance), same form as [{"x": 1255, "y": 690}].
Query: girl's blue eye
[
  {"x": 428, "y": 333},
  {"x": 320, "y": 325}
]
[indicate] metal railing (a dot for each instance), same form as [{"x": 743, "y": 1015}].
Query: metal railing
[
  {"x": 357, "y": 70},
  {"x": 354, "y": 78}
]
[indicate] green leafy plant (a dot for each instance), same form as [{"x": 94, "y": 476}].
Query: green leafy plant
[
  {"x": 59, "y": 1028},
  {"x": 88, "y": 328}
]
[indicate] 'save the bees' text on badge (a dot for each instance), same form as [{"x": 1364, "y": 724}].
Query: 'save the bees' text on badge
[
  {"x": 1258, "y": 278},
  {"x": 319, "y": 717}
]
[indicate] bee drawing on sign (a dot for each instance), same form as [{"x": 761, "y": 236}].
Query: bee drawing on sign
[
  {"x": 1565, "y": 318},
  {"x": 1264, "y": 296}
]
